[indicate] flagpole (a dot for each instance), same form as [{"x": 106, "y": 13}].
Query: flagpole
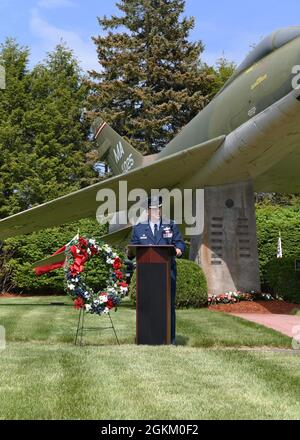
[{"x": 279, "y": 247}]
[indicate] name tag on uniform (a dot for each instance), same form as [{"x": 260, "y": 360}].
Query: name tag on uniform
[{"x": 144, "y": 237}]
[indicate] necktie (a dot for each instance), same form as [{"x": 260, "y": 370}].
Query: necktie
[{"x": 155, "y": 232}]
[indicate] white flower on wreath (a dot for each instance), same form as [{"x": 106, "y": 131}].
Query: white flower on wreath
[
  {"x": 103, "y": 299},
  {"x": 71, "y": 287},
  {"x": 88, "y": 307},
  {"x": 106, "y": 311},
  {"x": 92, "y": 241},
  {"x": 124, "y": 289},
  {"x": 86, "y": 295},
  {"x": 107, "y": 249}
]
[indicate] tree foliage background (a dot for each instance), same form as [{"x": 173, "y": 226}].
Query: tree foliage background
[
  {"x": 43, "y": 137},
  {"x": 152, "y": 81}
]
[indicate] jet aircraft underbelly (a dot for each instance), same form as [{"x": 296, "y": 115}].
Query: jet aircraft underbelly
[{"x": 255, "y": 147}]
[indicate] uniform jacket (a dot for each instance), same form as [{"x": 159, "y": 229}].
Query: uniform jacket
[{"x": 168, "y": 234}]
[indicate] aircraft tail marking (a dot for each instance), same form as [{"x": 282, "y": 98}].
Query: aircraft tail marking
[{"x": 119, "y": 154}]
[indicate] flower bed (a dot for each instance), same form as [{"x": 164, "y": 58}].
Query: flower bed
[{"x": 235, "y": 297}]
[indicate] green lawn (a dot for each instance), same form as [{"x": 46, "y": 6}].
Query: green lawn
[{"x": 43, "y": 376}]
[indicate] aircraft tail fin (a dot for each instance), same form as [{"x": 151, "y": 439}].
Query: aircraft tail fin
[{"x": 119, "y": 154}]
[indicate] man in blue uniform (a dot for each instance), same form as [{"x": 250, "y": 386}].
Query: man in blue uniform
[{"x": 158, "y": 231}]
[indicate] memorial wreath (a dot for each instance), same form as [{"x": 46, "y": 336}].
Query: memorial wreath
[{"x": 78, "y": 252}]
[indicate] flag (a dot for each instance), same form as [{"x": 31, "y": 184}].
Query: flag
[
  {"x": 41, "y": 270},
  {"x": 279, "y": 247}
]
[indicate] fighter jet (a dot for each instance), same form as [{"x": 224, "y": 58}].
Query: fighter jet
[{"x": 250, "y": 131}]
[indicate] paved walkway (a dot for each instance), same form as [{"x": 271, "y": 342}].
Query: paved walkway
[{"x": 287, "y": 324}]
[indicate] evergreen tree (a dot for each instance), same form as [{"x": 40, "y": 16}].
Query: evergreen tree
[
  {"x": 222, "y": 72},
  {"x": 43, "y": 136},
  {"x": 14, "y": 104},
  {"x": 152, "y": 81},
  {"x": 57, "y": 130}
]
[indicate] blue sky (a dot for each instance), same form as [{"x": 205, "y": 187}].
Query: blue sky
[{"x": 228, "y": 28}]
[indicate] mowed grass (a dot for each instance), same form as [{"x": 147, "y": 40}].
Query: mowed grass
[
  {"x": 34, "y": 319},
  {"x": 44, "y": 376}
]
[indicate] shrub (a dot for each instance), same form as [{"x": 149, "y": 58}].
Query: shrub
[
  {"x": 283, "y": 279},
  {"x": 191, "y": 288},
  {"x": 23, "y": 251}
]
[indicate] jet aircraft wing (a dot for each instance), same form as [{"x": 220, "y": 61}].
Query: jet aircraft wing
[{"x": 167, "y": 173}]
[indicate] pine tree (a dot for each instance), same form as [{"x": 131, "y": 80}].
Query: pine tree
[{"x": 151, "y": 81}]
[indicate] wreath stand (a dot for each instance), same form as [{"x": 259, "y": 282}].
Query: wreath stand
[{"x": 81, "y": 328}]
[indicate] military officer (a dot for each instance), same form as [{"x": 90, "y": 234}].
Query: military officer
[{"x": 158, "y": 231}]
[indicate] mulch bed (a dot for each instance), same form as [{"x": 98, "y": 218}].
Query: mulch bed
[{"x": 264, "y": 307}]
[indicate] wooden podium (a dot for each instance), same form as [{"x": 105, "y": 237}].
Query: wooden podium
[{"x": 153, "y": 294}]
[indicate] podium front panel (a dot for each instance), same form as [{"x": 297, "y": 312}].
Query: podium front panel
[
  {"x": 152, "y": 307},
  {"x": 153, "y": 295}
]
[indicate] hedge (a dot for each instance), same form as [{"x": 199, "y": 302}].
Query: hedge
[
  {"x": 191, "y": 286},
  {"x": 283, "y": 279},
  {"x": 18, "y": 254},
  {"x": 271, "y": 220}
]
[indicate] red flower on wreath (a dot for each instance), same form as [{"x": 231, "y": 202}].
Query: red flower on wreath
[
  {"x": 119, "y": 274},
  {"x": 94, "y": 251},
  {"x": 123, "y": 284},
  {"x": 83, "y": 243},
  {"x": 117, "y": 264},
  {"x": 110, "y": 304},
  {"x": 79, "y": 303}
]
